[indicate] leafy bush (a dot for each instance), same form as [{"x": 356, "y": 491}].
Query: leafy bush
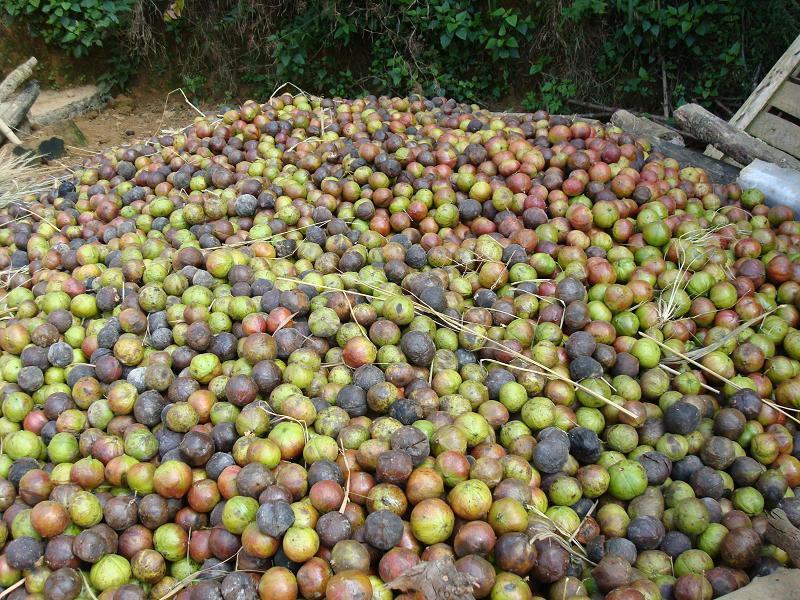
[
  {"x": 74, "y": 25},
  {"x": 646, "y": 54},
  {"x": 671, "y": 52}
]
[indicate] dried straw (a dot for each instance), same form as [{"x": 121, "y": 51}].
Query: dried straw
[
  {"x": 21, "y": 176},
  {"x": 781, "y": 409}
]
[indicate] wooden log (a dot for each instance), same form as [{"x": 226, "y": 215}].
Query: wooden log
[
  {"x": 740, "y": 146},
  {"x": 9, "y": 134},
  {"x": 574, "y": 118},
  {"x": 14, "y": 79},
  {"x": 640, "y": 126},
  {"x": 16, "y": 110},
  {"x": 718, "y": 171},
  {"x": 784, "y": 535}
]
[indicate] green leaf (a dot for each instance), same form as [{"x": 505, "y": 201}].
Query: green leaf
[{"x": 512, "y": 19}]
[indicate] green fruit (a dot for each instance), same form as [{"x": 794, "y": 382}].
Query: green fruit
[
  {"x": 648, "y": 353},
  {"x": 693, "y": 562},
  {"x": 513, "y": 396},
  {"x": 691, "y": 516},
  {"x": 749, "y": 500},
  {"x": 710, "y": 540},
  {"x": 85, "y": 509},
  {"x": 627, "y": 479},
  {"x": 111, "y": 571},
  {"x": 239, "y": 512}
]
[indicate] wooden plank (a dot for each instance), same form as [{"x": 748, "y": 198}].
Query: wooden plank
[
  {"x": 780, "y": 133},
  {"x": 787, "y": 98},
  {"x": 760, "y": 97}
]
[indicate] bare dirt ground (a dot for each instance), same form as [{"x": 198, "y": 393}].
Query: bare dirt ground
[{"x": 124, "y": 120}]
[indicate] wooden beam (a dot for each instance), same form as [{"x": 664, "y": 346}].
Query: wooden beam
[
  {"x": 761, "y": 95},
  {"x": 740, "y": 146},
  {"x": 14, "y": 79}
]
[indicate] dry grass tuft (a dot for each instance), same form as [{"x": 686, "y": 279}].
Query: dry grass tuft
[{"x": 22, "y": 176}]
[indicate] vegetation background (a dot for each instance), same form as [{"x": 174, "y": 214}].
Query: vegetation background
[{"x": 566, "y": 56}]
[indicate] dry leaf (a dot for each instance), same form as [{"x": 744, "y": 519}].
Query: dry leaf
[{"x": 436, "y": 580}]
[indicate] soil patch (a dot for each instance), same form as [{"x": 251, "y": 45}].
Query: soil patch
[{"x": 124, "y": 120}]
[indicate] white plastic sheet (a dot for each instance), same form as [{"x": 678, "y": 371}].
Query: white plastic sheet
[{"x": 779, "y": 185}]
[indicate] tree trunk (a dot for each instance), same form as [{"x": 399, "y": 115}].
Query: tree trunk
[
  {"x": 16, "y": 77},
  {"x": 15, "y": 111},
  {"x": 739, "y": 145}
]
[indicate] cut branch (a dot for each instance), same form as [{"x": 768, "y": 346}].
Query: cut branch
[
  {"x": 16, "y": 77},
  {"x": 9, "y": 134}
]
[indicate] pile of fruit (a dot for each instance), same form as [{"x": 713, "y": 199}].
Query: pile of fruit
[{"x": 314, "y": 347}]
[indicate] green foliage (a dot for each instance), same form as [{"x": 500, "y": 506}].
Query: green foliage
[
  {"x": 681, "y": 51},
  {"x": 643, "y": 54},
  {"x": 74, "y": 25},
  {"x": 433, "y": 47},
  {"x": 553, "y": 93}
]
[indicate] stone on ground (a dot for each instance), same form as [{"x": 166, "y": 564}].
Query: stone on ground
[{"x": 58, "y": 105}]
